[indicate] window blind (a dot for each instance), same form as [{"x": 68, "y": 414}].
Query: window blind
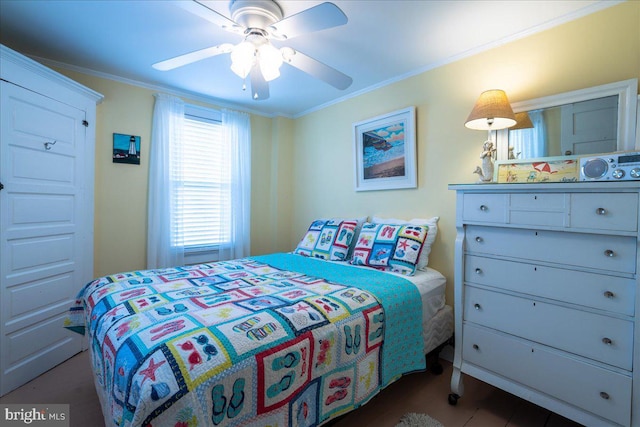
[{"x": 202, "y": 179}]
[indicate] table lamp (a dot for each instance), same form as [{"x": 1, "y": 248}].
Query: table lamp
[{"x": 492, "y": 111}]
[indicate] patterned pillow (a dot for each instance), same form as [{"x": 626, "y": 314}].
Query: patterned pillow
[
  {"x": 392, "y": 247},
  {"x": 423, "y": 261},
  {"x": 328, "y": 239}
]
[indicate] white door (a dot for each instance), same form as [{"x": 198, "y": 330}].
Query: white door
[
  {"x": 590, "y": 127},
  {"x": 41, "y": 231}
]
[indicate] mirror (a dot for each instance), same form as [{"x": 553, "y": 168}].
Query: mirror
[{"x": 599, "y": 119}]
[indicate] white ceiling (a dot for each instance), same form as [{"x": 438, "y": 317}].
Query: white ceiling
[{"x": 383, "y": 41}]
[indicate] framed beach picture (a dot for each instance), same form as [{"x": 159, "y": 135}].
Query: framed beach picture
[
  {"x": 126, "y": 149},
  {"x": 385, "y": 151}
]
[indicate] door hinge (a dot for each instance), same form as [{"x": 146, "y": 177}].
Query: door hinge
[{"x": 85, "y": 123}]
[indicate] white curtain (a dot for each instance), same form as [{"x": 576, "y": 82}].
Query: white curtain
[
  {"x": 164, "y": 248},
  {"x": 236, "y": 130},
  {"x": 530, "y": 143}
]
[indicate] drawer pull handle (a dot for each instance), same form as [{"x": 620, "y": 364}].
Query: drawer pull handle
[
  {"x": 483, "y": 208},
  {"x": 601, "y": 211},
  {"x": 607, "y": 341},
  {"x": 477, "y": 306},
  {"x": 609, "y": 294},
  {"x": 478, "y": 271},
  {"x": 604, "y": 395},
  {"x": 476, "y": 347},
  {"x": 609, "y": 253},
  {"x": 479, "y": 239}
]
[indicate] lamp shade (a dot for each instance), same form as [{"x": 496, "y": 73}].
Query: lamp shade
[
  {"x": 523, "y": 121},
  {"x": 492, "y": 111}
]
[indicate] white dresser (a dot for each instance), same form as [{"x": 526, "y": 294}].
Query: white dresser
[{"x": 545, "y": 296}]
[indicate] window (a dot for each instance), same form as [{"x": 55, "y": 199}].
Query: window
[
  {"x": 203, "y": 178},
  {"x": 199, "y": 184}
]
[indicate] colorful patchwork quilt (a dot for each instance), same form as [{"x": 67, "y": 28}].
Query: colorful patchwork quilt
[{"x": 272, "y": 340}]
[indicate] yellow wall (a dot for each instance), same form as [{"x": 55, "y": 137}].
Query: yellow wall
[
  {"x": 120, "y": 233},
  {"x": 303, "y": 168},
  {"x": 597, "y": 49}
]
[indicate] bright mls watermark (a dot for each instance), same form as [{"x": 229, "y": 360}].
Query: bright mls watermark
[{"x": 40, "y": 415}]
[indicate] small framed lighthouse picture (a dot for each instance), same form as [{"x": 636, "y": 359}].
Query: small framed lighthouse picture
[{"x": 126, "y": 149}]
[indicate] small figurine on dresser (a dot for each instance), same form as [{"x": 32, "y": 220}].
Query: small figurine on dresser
[{"x": 485, "y": 173}]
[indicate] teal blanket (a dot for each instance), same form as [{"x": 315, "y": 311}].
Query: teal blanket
[{"x": 403, "y": 348}]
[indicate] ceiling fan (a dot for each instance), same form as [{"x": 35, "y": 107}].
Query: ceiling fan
[{"x": 261, "y": 21}]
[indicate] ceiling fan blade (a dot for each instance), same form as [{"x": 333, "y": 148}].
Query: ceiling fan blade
[
  {"x": 317, "y": 69},
  {"x": 320, "y": 17},
  {"x": 202, "y": 10},
  {"x": 259, "y": 86},
  {"x": 188, "y": 58}
]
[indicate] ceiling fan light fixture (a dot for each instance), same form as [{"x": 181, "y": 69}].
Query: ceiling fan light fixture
[
  {"x": 256, "y": 58},
  {"x": 287, "y": 53},
  {"x": 270, "y": 61},
  {"x": 243, "y": 57}
]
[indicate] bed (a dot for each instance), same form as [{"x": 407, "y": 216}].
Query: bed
[{"x": 279, "y": 339}]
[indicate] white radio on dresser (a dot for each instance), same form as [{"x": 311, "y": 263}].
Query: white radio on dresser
[{"x": 546, "y": 305}]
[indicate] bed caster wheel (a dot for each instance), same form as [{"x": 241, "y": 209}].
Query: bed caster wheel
[{"x": 453, "y": 399}]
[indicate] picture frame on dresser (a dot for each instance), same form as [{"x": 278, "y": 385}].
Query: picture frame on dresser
[
  {"x": 545, "y": 296},
  {"x": 543, "y": 169}
]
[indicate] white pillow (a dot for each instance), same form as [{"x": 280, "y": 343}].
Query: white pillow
[{"x": 423, "y": 261}]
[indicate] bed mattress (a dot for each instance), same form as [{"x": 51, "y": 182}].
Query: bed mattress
[
  {"x": 437, "y": 317},
  {"x": 431, "y": 284}
]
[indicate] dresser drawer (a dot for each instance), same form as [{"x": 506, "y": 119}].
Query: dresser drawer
[
  {"x": 592, "y": 388},
  {"x": 612, "y": 253},
  {"x": 605, "y": 211},
  {"x": 610, "y": 293},
  {"x": 599, "y": 337},
  {"x": 485, "y": 208},
  {"x": 541, "y": 209}
]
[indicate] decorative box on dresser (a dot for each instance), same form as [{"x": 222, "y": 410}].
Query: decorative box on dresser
[{"x": 546, "y": 301}]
